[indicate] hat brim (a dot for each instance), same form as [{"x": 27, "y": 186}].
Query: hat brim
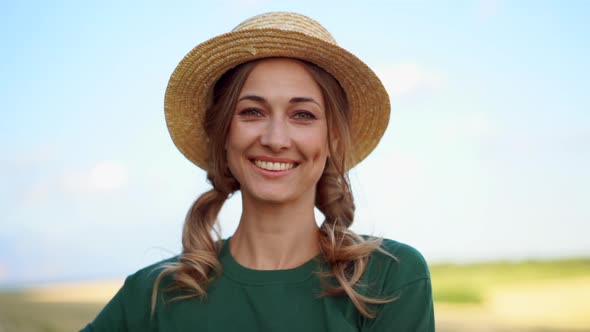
[{"x": 190, "y": 87}]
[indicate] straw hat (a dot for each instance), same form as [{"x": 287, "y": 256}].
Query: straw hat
[{"x": 277, "y": 34}]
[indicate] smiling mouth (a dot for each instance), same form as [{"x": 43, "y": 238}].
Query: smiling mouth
[{"x": 273, "y": 166}]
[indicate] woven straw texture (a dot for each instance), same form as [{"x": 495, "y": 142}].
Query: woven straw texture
[{"x": 278, "y": 34}]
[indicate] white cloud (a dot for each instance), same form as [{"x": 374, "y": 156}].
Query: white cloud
[
  {"x": 408, "y": 79},
  {"x": 38, "y": 195},
  {"x": 38, "y": 155},
  {"x": 105, "y": 176},
  {"x": 471, "y": 127}
]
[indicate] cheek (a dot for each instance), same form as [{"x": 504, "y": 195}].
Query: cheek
[
  {"x": 316, "y": 147},
  {"x": 240, "y": 138},
  {"x": 232, "y": 146},
  {"x": 233, "y": 154},
  {"x": 231, "y": 134},
  {"x": 321, "y": 141},
  {"x": 234, "y": 163}
]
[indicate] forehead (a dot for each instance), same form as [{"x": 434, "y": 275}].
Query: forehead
[{"x": 281, "y": 76}]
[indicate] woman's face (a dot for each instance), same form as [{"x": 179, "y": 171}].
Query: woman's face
[{"x": 277, "y": 143}]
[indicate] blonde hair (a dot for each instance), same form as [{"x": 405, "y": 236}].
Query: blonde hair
[{"x": 344, "y": 251}]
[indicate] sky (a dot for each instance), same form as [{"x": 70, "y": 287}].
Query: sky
[{"x": 486, "y": 156}]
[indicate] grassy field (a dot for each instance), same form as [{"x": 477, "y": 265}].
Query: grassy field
[
  {"x": 505, "y": 296},
  {"x": 537, "y": 296}
]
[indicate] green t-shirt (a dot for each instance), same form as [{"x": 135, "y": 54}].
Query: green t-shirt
[{"x": 249, "y": 300}]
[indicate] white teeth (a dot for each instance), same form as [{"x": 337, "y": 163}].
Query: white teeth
[{"x": 273, "y": 166}]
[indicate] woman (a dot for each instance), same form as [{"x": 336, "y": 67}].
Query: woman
[{"x": 276, "y": 110}]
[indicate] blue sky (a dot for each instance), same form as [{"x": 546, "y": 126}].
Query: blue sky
[{"x": 486, "y": 155}]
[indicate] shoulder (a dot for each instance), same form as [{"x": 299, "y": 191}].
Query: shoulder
[
  {"x": 129, "y": 309},
  {"x": 139, "y": 286},
  {"x": 400, "y": 274},
  {"x": 145, "y": 277},
  {"x": 396, "y": 266}
]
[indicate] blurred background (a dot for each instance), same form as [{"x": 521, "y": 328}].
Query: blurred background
[{"x": 484, "y": 167}]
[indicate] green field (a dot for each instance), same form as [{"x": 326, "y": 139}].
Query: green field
[
  {"x": 469, "y": 283},
  {"x": 548, "y": 296},
  {"x": 513, "y": 296},
  {"x": 17, "y": 313}
]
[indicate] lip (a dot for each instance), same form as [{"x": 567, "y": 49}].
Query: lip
[
  {"x": 272, "y": 174},
  {"x": 274, "y": 160}
]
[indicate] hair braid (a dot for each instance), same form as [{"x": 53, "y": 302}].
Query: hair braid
[{"x": 346, "y": 252}]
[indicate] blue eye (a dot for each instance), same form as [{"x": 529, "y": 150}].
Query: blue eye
[
  {"x": 250, "y": 112},
  {"x": 304, "y": 115}
]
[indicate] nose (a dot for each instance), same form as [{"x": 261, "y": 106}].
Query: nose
[{"x": 276, "y": 136}]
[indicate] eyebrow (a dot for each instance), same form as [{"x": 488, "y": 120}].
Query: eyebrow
[{"x": 293, "y": 100}]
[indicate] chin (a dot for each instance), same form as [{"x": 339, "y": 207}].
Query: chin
[{"x": 272, "y": 195}]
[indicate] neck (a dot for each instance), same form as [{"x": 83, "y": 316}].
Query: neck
[{"x": 275, "y": 236}]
